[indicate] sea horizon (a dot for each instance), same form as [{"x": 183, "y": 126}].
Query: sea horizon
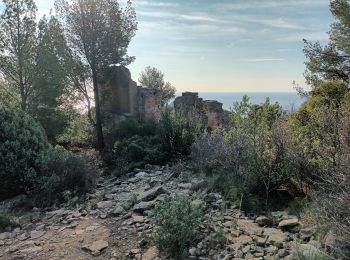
[{"x": 288, "y": 100}]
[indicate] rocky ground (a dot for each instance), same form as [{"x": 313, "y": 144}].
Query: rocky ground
[{"x": 114, "y": 223}]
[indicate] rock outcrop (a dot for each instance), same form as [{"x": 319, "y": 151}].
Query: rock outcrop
[{"x": 210, "y": 111}]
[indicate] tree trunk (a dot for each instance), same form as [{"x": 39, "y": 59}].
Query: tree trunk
[{"x": 98, "y": 125}]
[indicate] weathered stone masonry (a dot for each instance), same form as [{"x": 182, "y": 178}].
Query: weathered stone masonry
[
  {"x": 211, "y": 111},
  {"x": 123, "y": 98}
]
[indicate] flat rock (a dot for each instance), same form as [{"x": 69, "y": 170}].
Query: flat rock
[
  {"x": 152, "y": 193},
  {"x": 96, "y": 247},
  {"x": 138, "y": 219},
  {"x": 144, "y": 206},
  {"x": 36, "y": 234},
  {"x": 288, "y": 223},
  {"x": 106, "y": 204}
]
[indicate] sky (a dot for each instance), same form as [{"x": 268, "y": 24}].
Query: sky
[{"x": 225, "y": 45}]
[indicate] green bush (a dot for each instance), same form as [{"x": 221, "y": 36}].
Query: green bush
[
  {"x": 5, "y": 222},
  {"x": 62, "y": 173},
  {"x": 177, "y": 219},
  {"x": 22, "y": 142},
  {"x": 178, "y": 131},
  {"x": 78, "y": 133}
]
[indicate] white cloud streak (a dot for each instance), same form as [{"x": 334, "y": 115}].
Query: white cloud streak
[{"x": 255, "y": 60}]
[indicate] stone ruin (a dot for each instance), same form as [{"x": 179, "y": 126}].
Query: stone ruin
[
  {"x": 122, "y": 98},
  {"x": 211, "y": 111}
]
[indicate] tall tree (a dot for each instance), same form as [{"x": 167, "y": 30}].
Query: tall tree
[
  {"x": 18, "y": 46},
  {"x": 331, "y": 62},
  {"x": 53, "y": 63},
  {"x": 99, "y": 31},
  {"x": 152, "y": 77}
]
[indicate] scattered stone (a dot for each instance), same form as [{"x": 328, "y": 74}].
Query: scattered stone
[
  {"x": 143, "y": 206},
  {"x": 306, "y": 233},
  {"x": 152, "y": 193},
  {"x": 141, "y": 174},
  {"x": 151, "y": 254},
  {"x": 117, "y": 211},
  {"x": 106, "y": 204},
  {"x": 96, "y": 247},
  {"x": 36, "y": 234},
  {"x": 138, "y": 219},
  {"x": 263, "y": 221},
  {"x": 185, "y": 186},
  {"x": 5, "y": 235}
]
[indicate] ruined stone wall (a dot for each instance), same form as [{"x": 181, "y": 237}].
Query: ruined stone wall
[
  {"x": 211, "y": 111},
  {"x": 122, "y": 98},
  {"x": 149, "y": 104},
  {"x": 214, "y": 111}
]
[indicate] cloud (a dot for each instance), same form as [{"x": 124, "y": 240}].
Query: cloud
[
  {"x": 155, "y": 4},
  {"x": 267, "y": 4},
  {"x": 255, "y": 60}
]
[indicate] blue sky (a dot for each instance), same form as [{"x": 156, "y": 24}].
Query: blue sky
[{"x": 226, "y": 45}]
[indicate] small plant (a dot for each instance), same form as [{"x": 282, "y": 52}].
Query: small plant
[
  {"x": 177, "y": 220},
  {"x": 5, "y": 221},
  {"x": 309, "y": 252}
]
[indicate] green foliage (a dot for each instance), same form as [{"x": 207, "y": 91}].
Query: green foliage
[
  {"x": 177, "y": 132},
  {"x": 21, "y": 146},
  {"x": 308, "y": 252},
  {"x": 63, "y": 175},
  {"x": 5, "y": 222},
  {"x": 250, "y": 153},
  {"x": 177, "y": 219},
  {"x": 17, "y": 56},
  {"x": 331, "y": 62},
  {"x": 153, "y": 78},
  {"x": 78, "y": 133}
]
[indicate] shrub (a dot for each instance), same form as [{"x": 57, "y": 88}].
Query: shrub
[
  {"x": 5, "y": 222},
  {"x": 178, "y": 220},
  {"x": 22, "y": 141},
  {"x": 249, "y": 154},
  {"x": 62, "y": 172},
  {"x": 78, "y": 133},
  {"x": 177, "y": 132}
]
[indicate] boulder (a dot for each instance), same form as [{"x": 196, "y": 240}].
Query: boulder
[
  {"x": 152, "y": 193},
  {"x": 12, "y": 203},
  {"x": 263, "y": 221},
  {"x": 144, "y": 206},
  {"x": 117, "y": 211}
]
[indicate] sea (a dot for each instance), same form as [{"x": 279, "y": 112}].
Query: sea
[{"x": 290, "y": 101}]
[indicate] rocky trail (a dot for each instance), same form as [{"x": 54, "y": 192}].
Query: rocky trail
[{"x": 115, "y": 223}]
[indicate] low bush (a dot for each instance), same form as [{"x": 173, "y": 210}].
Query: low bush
[
  {"x": 177, "y": 219},
  {"x": 5, "y": 222},
  {"x": 22, "y": 141},
  {"x": 78, "y": 133},
  {"x": 63, "y": 172},
  {"x": 134, "y": 144}
]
